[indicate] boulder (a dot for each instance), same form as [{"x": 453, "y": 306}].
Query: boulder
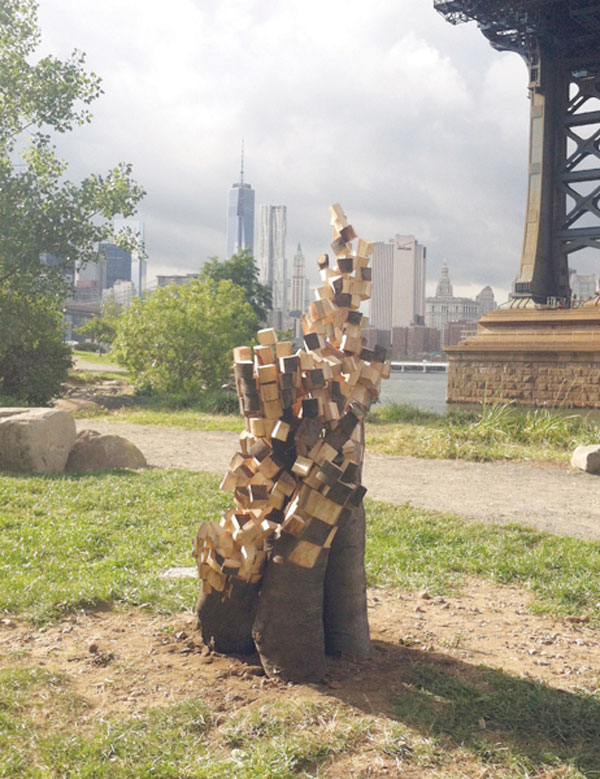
[
  {"x": 587, "y": 458},
  {"x": 35, "y": 440},
  {"x": 96, "y": 452}
]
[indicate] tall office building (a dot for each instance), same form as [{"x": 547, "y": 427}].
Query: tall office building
[
  {"x": 272, "y": 263},
  {"x": 298, "y": 301},
  {"x": 139, "y": 266},
  {"x": 117, "y": 264},
  {"x": 240, "y": 215},
  {"x": 398, "y": 283}
]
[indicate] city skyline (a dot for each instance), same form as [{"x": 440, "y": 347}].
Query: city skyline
[{"x": 440, "y": 148}]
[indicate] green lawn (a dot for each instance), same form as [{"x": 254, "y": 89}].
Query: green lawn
[
  {"x": 96, "y": 358},
  {"x": 81, "y": 542}
]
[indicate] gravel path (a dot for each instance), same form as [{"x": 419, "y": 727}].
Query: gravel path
[{"x": 546, "y": 497}]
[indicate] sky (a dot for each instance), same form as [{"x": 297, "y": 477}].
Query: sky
[{"x": 413, "y": 125}]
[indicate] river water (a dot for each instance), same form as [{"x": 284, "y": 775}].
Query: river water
[{"x": 426, "y": 391}]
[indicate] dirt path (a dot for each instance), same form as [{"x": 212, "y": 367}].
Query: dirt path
[{"x": 546, "y": 497}]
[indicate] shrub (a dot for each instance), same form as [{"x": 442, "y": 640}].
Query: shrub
[
  {"x": 179, "y": 339},
  {"x": 33, "y": 358}
]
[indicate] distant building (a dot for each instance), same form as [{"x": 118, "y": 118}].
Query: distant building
[
  {"x": 415, "y": 343},
  {"x": 443, "y": 307},
  {"x": 455, "y": 332},
  {"x": 240, "y": 215},
  {"x": 582, "y": 287},
  {"x": 138, "y": 265},
  {"x": 122, "y": 292},
  {"x": 299, "y": 296},
  {"x": 486, "y": 301},
  {"x": 51, "y": 261},
  {"x": 405, "y": 343},
  {"x": 271, "y": 256},
  {"x": 398, "y": 298},
  {"x": 117, "y": 264},
  {"x": 177, "y": 279},
  {"x": 90, "y": 280}
]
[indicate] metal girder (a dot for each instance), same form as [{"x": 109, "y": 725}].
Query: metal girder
[
  {"x": 560, "y": 41},
  {"x": 518, "y": 25}
]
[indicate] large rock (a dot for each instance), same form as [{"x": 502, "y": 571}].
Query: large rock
[
  {"x": 35, "y": 440},
  {"x": 587, "y": 458},
  {"x": 96, "y": 452}
]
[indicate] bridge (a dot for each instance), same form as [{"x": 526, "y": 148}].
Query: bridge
[{"x": 560, "y": 42}]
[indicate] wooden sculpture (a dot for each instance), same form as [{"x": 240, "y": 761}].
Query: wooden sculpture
[{"x": 283, "y": 570}]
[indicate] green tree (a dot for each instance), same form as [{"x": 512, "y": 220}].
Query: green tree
[
  {"x": 33, "y": 357},
  {"x": 179, "y": 339},
  {"x": 40, "y": 210},
  {"x": 102, "y": 329},
  {"x": 241, "y": 269}
]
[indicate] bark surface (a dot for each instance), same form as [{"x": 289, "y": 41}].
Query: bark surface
[{"x": 226, "y": 622}]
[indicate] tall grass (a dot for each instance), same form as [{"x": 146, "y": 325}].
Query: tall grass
[{"x": 496, "y": 432}]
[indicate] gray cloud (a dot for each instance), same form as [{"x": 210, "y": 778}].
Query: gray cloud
[{"x": 413, "y": 125}]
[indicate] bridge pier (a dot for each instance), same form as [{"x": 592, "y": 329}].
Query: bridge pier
[{"x": 531, "y": 357}]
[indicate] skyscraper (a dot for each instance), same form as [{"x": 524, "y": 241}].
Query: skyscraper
[
  {"x": 139, "y": 264},
  {"x": 118, "y": 264},
  {"x": 298, "y": 300},
  {"x": 272, "y": 263},
  {"x": 398, "y": 283},
  {"x": 240, "y": 215}
]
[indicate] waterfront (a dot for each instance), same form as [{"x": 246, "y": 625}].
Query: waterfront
[{"x": 426, "y": 391}]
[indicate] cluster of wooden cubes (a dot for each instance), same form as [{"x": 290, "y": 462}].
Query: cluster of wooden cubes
[{"x": 298, "y": 466}]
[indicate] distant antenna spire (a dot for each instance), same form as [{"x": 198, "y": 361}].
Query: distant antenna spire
[{"x": 242, "y": 164}]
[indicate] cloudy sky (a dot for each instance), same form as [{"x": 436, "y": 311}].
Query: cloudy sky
[{"x": 415, "y": 126}]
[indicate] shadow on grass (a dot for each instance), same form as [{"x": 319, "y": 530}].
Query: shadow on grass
[{"x": 499, "y": 717}]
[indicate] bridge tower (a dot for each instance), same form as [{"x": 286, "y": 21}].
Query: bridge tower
[{"x": 560, "y": 42}]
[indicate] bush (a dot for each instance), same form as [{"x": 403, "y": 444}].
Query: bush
[
  {"x": 33, "y": 358},
  {"x": 178, "y": 341}
]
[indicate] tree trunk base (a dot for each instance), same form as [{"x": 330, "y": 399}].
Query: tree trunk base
[
  {"x": 288, "y": 630},
  {"x": 345, "y": 615},
  {"x": 226, "y": 622}
]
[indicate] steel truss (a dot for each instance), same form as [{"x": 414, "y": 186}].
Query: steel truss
[{"x": 560, "y": 41}]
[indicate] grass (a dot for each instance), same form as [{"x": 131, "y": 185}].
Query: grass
[
  {"x": 212, "y": 411},
  {"x": 412, "y": 549},
  {"x": 82, "y": 542},
  {"x": 100, "y": 541},
  {"x": 500, "y": 432},
  {"x": 433, "y": 729},
  {"x": 190, "y": 739},
  {"x": 529, "y": 729},
  {"x": 95, "y": 358},
  {"x": 88, "y": 541}
]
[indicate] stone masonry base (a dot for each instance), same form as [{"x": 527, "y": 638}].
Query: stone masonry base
[{"x": 546, "y": 380}]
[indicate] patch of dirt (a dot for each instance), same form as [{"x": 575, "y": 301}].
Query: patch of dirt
[
  {"x": 123, "y": 663},
  {"x": 105, "y": 393}
]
